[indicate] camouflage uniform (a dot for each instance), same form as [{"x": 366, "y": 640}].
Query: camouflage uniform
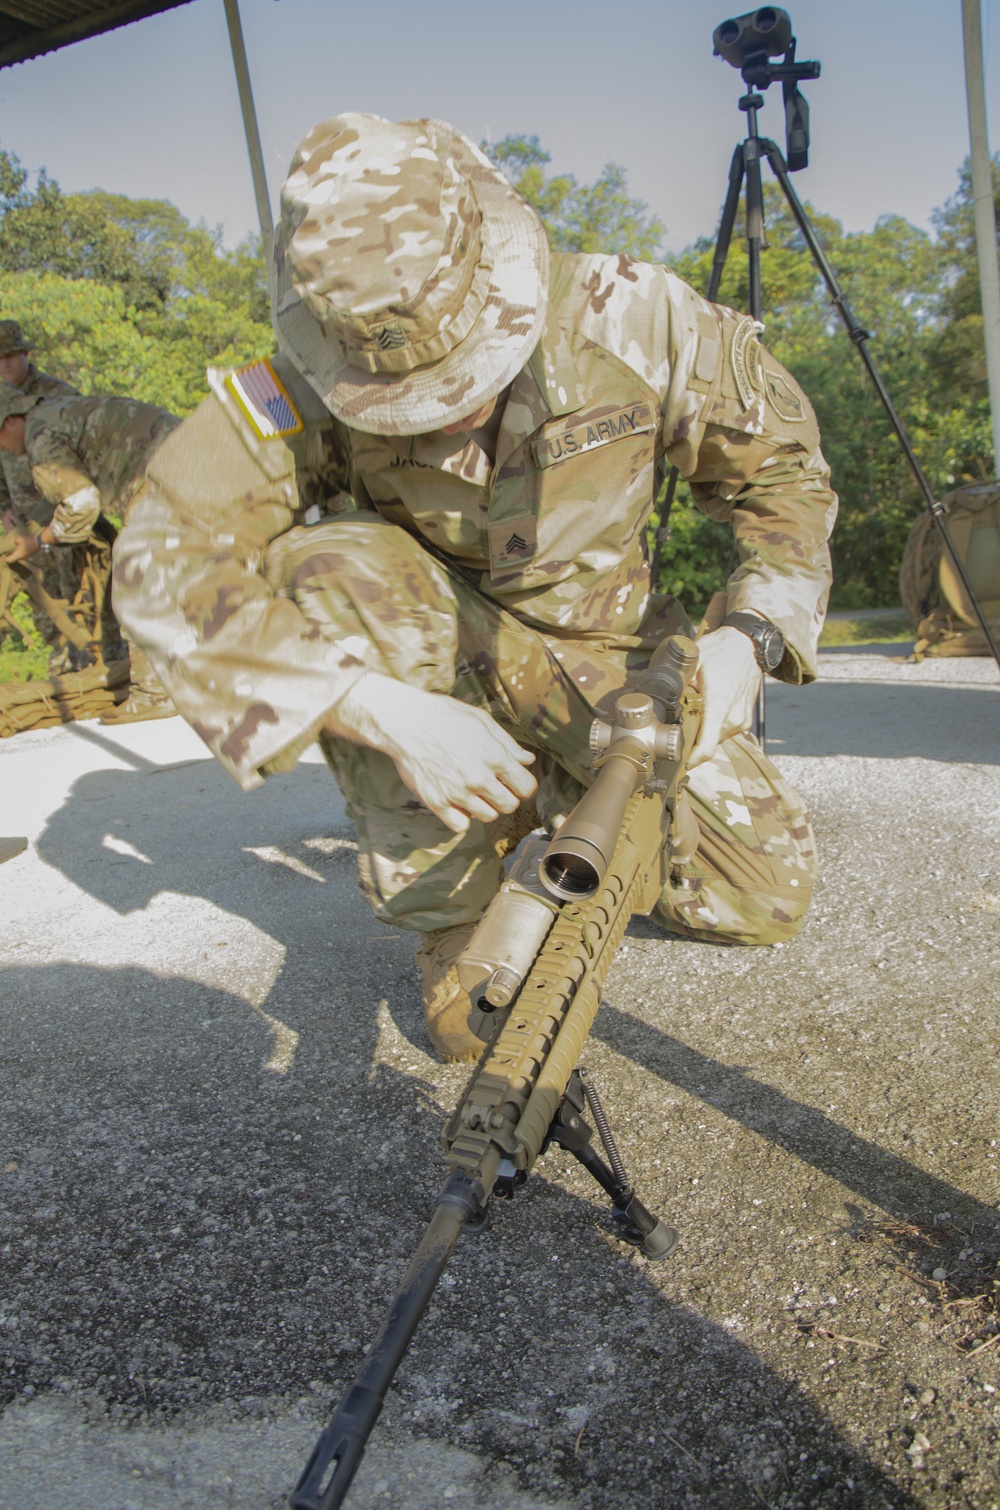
[
  {"x": 17, "y": 491},
  {"x": 61, "y": 574},
  {"x": 87, "y": 457},
  {"x": 507, "y": 568}
]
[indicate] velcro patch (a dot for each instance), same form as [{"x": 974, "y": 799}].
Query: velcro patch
[
  {"x": 514, "y": 540},
  {"x": 744, "y": 355},
  {"x": 587, "y": 435},
  {"x": 784, "y": 400},
  {"x": 264, "y": 400}
]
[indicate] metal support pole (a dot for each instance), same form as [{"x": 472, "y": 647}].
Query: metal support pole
[
  {"x": 982, "y": 195},
  {"x": 250, "y": 127}
]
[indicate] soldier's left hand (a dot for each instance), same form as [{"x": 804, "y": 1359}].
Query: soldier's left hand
[
  {"x": 728, "y": 679},
  {"x": 16, "y": 546}
]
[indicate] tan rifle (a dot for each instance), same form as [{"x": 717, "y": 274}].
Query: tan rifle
[
  {"x": 23, "y": 576},
  {"x": 535, "y": 970}
]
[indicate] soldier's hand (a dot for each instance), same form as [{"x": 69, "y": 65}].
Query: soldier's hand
[
  {"x": 455, "y": 759},
  {"x": 17, "y": 546},
  {"x": 8, "y": 519},
  {"x": 728, "y": 679}
]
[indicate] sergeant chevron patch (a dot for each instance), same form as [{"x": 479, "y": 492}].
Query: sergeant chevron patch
[{"x": 260, "y": 394}]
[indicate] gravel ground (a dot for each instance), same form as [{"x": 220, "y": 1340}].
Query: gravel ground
[{"x": 219, "y": 1144}]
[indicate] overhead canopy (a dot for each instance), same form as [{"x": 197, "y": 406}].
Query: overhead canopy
[{"x": 29, "y": 28}]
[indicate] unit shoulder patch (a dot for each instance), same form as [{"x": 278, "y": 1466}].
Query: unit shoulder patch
[
  {"x": 264, "y": 400},
  {"x": 783, "y": 398},
  {"x": 744, "y": 355}
]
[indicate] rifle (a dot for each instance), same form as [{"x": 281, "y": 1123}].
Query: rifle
[
  {"x": 22, "y": 576},
  {"x": 25, "y": 576},
  {"x": 535, "y": 968}
]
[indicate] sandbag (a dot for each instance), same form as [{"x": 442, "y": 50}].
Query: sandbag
[{"x": 63, "y": 699}]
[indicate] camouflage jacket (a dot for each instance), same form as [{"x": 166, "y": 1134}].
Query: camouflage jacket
[
  {"x": 17, "y": 491},
  {"x": 634, "y": 372},
  {"x": 88, "y": 455}
]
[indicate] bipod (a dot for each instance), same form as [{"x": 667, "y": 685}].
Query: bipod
[
  {"x": 464, "y": 1207},
  {"x": 634, "y": 1222}
]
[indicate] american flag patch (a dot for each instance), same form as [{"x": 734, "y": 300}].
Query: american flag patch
[{"x": 259, "y": 392}]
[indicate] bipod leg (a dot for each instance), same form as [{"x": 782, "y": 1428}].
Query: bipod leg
[{"x": 635, "y": 1223}]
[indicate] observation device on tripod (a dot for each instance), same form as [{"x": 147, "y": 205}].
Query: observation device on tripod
[{"x": 750, "y": 43}]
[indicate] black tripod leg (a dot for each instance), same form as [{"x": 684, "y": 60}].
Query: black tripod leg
[
  {"x": 722, "y": 241},
  {"x": 755, "y": 242},
  {"x": 728, "y": 221},
  {"x": 859, "y": 336}
]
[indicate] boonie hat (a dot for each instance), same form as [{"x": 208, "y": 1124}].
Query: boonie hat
[
  {"x": 14, "y": 400},
  {"x": 410, "y": 278},
  {"x": 12, "y": 338}
]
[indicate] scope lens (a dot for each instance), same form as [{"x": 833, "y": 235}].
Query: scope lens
[
  {"x": 766, "y": 19},
  {"x": 729, "y": 31},
  {"x": 570, "y": 876}
]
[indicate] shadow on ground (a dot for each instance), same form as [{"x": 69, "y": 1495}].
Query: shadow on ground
[{"x": 182, "y": 1227}]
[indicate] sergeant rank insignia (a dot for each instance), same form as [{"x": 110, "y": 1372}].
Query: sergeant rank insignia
[{"x": 264, "y": 400}]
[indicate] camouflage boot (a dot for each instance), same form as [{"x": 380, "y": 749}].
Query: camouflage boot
[{"x": 446, "y": 1005}]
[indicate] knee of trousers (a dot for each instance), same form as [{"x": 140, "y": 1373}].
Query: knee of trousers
[
  {"x": 751, "y": 878},
  {"x": 363, "y": 577},
  {"x": 716, "y": 911}
]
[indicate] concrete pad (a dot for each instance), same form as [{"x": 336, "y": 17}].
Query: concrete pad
[{"x": 219, "y": 1135}]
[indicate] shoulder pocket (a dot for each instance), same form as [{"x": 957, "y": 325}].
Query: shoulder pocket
[{"x": 205, "y": 461}]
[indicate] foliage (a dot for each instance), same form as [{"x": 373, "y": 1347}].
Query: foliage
[
  {"x": 598, "y": 217},
  {"x": 918, "y": 298},
  {"x": 23, "y": 657},
  {"x": 123, "y": 295}
]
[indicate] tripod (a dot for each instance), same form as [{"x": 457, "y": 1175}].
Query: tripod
[{"x": 754, "y": 61}]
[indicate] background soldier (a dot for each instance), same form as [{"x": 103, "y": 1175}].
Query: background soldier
[
  {"x": 20, "y": 500},
  {"x": 87, "y": 458},
  {"x": 505, "y": 419}
]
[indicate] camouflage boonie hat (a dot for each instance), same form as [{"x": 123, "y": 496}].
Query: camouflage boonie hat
[
  {"x": 12, "y": 339},
  {"x": 410, "y": 277},
  {"x": 14, "y": 400}
]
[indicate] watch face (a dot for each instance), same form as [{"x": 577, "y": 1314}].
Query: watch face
[{"x": 772, "y": 647}]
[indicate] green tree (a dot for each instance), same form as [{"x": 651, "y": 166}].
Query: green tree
[
  {"x": 891, "y": 277},
  {"x": 597, "y": 217},
  {"x": 82, "y": 331},
  {"x": 957, "y": 351},
  {"x": 125, "y": 296}
]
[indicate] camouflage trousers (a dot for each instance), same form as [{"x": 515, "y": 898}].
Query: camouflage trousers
[{"x": 750, "y": 880}]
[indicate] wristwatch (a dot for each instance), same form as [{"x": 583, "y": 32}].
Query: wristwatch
[{"x": 768, "y": 640}]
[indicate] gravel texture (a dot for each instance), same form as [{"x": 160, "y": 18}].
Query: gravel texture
[{"x": 219, "y": 1135}]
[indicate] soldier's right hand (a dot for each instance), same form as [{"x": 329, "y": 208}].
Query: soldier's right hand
[{"x": 454, "y": 758}]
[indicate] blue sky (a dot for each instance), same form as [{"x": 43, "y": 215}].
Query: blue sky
[{"x": 152, "y": 110}]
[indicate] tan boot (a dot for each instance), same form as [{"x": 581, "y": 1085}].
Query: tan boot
[
  {"x": 137, "y": 707},
  {"x": 446, "y": 1005}
]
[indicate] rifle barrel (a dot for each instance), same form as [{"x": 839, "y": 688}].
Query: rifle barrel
[{"x": 335, "y": 1458}]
